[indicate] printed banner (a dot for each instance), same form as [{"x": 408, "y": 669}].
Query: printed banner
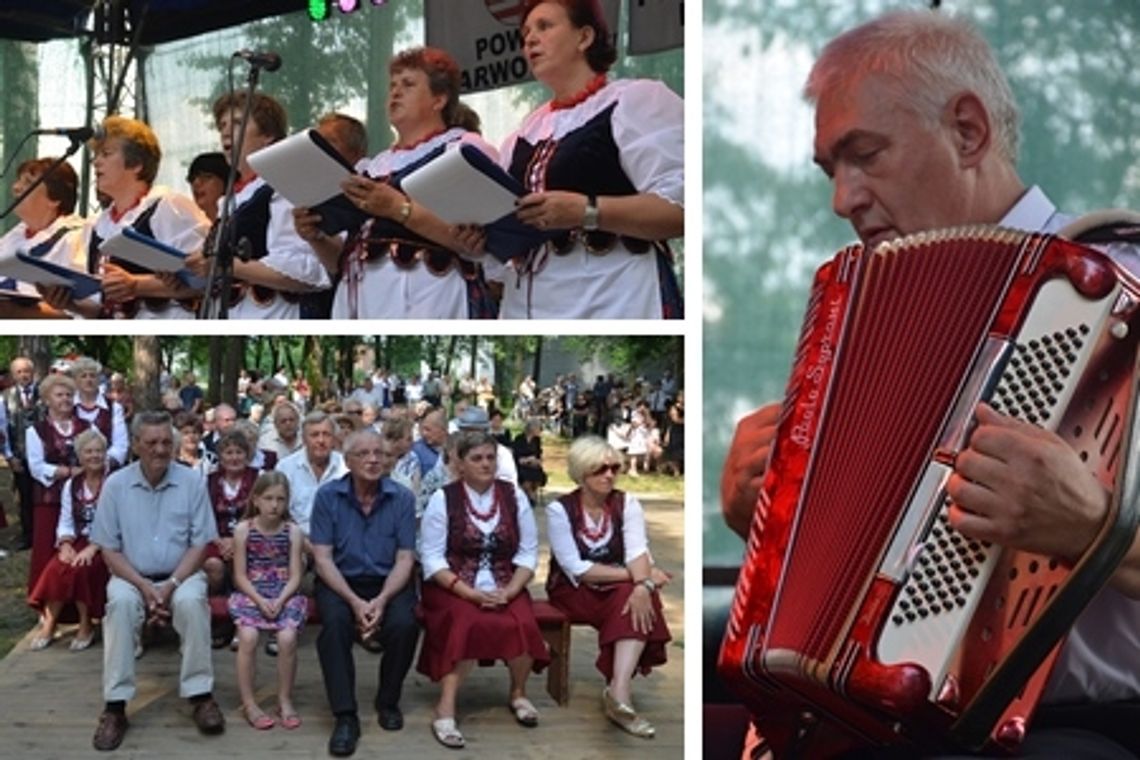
[
  {"x": 656, "y": 25},
  {"x": 483, "y": 36}
]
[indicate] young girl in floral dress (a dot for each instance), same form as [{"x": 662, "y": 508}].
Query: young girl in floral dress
[{"x": 267, "y": 574}]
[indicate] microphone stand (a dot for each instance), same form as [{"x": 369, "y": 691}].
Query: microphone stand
[
  {"x": 220, "y": 247},
  {"x": 75, "y": 144}
]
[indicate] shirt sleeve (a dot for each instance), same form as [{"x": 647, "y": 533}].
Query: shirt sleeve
[
  {"x": 562, "y": 543},
  {"x": 406, "y": 530},
  {"x": 321, "y": 519},
  {"x": 106, "y": 531},
  {"x": 203, "y": 523},
  {"x": 633, "y": 529},
  {"x": 433, "y": 535},
  {"x": 118, "y": 445},
  {"x": 37, "y": 465},
  {"x": 66, "y": 525},
  {"x": 288, "y": 253},
  {"x": 178, "y": 222},
  {"x": 527, "y": 553},
  {"x": 648, "y": 126}
]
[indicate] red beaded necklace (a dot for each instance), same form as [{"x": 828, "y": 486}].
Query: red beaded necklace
[
  {"x": 490, "y": 513},
  {"x": 117, "y": 215},
  {"x": 595, "y": 84},
  {"x": 421, "y": 141}
]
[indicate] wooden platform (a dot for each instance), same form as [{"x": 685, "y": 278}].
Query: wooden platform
[{"x": 52, "y": 699}]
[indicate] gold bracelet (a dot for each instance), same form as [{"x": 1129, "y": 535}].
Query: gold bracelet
[{"x": 405, "y": 211}]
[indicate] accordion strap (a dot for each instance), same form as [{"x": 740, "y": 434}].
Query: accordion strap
[{"x": 1114, "y": 225}]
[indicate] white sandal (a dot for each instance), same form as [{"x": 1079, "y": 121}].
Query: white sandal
[{"x": 447, "y": 733}]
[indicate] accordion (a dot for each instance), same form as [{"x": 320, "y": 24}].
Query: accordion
[{"x": 861, "y": 617}]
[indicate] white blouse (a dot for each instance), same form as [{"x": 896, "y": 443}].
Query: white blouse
[
  {"x": 565, "y": 549},
  {"x": 433, "y": 534}
]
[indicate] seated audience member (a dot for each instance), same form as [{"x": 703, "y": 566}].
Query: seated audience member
[
  {"x": 191, "y": 451},
  {"x": 479, "y": 550},
  {"x": 152, "y": 526},
  {"x": 76, "y": 574},
  {"x": 363, "y": 533},
  {"x": 229, "y": 488},
  {"x": 602, "y": 574}
]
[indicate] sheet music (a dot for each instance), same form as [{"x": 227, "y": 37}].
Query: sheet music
[
  {"x": 26, "y": 271},
  {"x": 458, "y": 192},
  {"x": 302, "y": 168},
  {"x": 47, "y": 272},
  {"x": 143, "y": 251}
]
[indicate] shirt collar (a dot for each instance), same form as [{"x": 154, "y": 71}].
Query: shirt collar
[
  {"x": 138, "y": 479},
  {"x": 1033, "y": 212}
]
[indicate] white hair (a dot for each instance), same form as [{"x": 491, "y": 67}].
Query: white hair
[{"x": 926, "y": 58}]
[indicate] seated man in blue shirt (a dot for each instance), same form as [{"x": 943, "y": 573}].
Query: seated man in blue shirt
[{"x": 363, "y": 532}]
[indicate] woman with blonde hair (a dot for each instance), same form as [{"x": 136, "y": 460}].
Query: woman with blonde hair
[{"x": 602, "y": 574}]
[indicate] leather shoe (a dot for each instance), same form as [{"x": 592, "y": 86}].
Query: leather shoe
[
  {"x": 390, "y": 718},
  {"x": 110, "y": 732},
  {"x": 342, "y": 743},
  {"x": 208, "y": 717}
]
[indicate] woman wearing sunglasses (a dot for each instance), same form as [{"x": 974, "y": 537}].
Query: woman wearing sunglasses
[
  {"x": 402, "y": 262},
  {"x": 602, "y": 573}
]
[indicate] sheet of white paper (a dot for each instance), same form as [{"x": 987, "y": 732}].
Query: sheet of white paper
[
  {"x": 149, "y": 257},
  {"x": 457, "y": 192},
  {"x": 300, "y": 170}
]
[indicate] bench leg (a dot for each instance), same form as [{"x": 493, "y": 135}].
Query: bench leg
[{"x": 558, "y": 676}]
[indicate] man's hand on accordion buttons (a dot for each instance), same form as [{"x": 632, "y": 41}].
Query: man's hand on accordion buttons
[
  {"x": 745, "y": 465},
  {"x": 1021, "y": 486}
]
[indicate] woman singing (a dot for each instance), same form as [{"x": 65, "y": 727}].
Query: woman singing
[
  {"x": 603, "y": 163},
  {"x": 402, "y": 264}
]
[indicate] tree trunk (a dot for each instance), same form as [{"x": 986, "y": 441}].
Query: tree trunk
[
  {"x": 214, "y": 370},
  {"x": 38, "y": 349},
  {"x": 147, "y": 371},
  {"x": 536, "y": 368},
  {"x": 452, "y": 343},
  {"x": 474, "y": 357},
  {"x": 231, "y": 360}
]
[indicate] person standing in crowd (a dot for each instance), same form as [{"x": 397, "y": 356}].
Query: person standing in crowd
[
  {"x": 92, "y": 406},
  {"x": 267, "y": 577},
  {"x": 615, "y": 206},
  {"x": 429, "y": 450},
  {"x": 190, "y": 394},
  {"x": 602, "y": 573},
  {"x": 48, "y": 229},
  {"x": 346, "y": 134},
  {"x": 363, "y": 532},
  {"x": 207, "y": 179},
  {"x": 50, "y": 444},
  {"x": 280, "y": 268},
  {"x": 152, "y": 526},
  {"x": 126, "y": 164},
  {"x": 479, "y": 551},
  {"x": 22, "y": 402},
  {"x": 402, "y": 263},
  {"x": 76, "y": 574}
]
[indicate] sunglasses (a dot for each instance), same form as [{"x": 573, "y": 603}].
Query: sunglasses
[{"x": 613, "y": 469}]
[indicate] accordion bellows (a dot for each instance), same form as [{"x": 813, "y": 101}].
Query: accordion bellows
[{"x": 858, "y": 605}]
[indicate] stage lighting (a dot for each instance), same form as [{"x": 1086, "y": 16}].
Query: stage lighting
[
  {"x": 348, "y": 6},
  {"x": 318, "y": 9}
]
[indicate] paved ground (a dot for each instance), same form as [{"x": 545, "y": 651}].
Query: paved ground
[{"x": 51, "y": 699}]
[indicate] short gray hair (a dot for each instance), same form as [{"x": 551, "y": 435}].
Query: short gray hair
[
  {"x": 87, "y": 437},
  {"x": 149, "y": 419},
  {"x": 315, "y": 417},
  {"x": 356, "y": 436},
  {"x": 926, "y": 58}
]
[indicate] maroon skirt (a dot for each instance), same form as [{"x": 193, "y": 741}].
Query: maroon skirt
[
  {"x": 63, "y": 583},
  {"x": 455, "y": 630},
  {"x": 45, "y": 519},
  {"x": 601, "y": 608}
]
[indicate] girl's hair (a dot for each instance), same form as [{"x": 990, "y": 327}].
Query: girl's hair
[{"x": 264, "y": 482}]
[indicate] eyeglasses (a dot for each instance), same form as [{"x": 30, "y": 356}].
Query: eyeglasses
[{"x": 613, "y": 469}]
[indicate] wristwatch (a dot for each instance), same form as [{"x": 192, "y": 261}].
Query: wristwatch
[
  {"x": 174, "y": 580},
  {"x": 590, "y": 218},
  {"x": 649, "y": 584}
]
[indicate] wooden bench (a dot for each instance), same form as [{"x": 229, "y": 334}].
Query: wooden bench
[{"x": 555, "y": 627}]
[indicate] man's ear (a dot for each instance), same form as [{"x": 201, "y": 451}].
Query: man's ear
[{"x": 970, "y": 127}]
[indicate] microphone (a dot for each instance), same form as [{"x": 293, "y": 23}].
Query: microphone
[
  {"x": 267, "y": 59},
  {"x": 78, "y": 134}
]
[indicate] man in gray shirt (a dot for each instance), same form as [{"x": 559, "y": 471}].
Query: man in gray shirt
[{"x": 153, "y": 524}]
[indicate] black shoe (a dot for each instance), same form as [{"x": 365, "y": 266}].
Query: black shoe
[
  {"x": 342, "y": 743},
  {"x": 390, "y": 718}
]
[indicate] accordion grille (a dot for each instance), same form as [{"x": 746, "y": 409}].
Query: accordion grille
[{"x": 915, "y": 319}]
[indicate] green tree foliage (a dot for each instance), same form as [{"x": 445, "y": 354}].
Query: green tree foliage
[{"x": 19, "y": 116}]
